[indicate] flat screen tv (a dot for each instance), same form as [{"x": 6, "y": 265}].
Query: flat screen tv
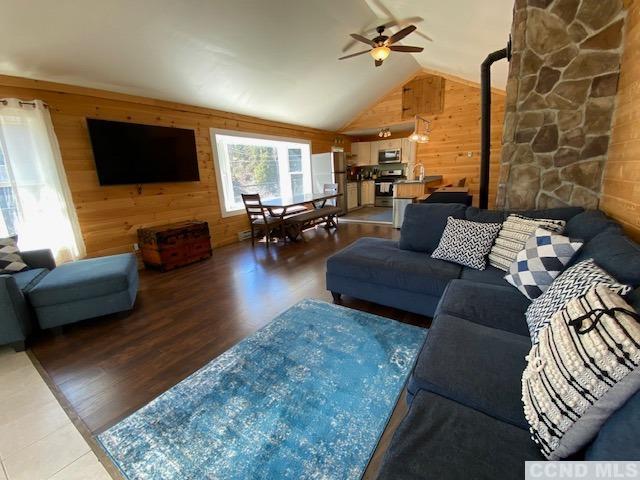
[{"x": 130, "y": 153}]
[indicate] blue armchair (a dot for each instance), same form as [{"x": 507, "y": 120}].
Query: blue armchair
[{"x": 16, "y": 315}]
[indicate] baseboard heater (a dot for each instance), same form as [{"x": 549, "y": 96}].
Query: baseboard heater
[{"x": 244, "y": 235}]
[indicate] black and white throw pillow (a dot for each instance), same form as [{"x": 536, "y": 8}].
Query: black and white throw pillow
[
  {"x": 515, "y": 232},
  {"x": 542, "y": 259},
  {"x": 584, "y": 368},
  {"x": 572, "y": 283},
  {"x": 466, "y": 243},
  {"x": 10, "y": 259}
]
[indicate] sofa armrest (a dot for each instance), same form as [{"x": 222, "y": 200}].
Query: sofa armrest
[
  {"x": 15, "y": 316},
  {"x": 39, "y": 259}
]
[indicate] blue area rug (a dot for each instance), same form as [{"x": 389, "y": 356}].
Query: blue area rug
[{"x": 307, "y": 396}]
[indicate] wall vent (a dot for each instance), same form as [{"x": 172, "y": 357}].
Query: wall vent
[{"x": 244, "y": 235}]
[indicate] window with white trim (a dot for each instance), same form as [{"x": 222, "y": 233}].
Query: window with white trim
[{"x": 269, "y": 166}]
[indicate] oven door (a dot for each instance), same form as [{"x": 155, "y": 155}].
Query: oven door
[
  {"x": 389, "y": 156},
  {"x": 383, "y": 194}
]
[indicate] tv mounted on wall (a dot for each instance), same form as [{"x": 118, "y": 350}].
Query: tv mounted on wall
[{"x": 130, "y": 153}]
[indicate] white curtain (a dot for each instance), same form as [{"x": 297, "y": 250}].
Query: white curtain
[{"x": 34, "y": 197}]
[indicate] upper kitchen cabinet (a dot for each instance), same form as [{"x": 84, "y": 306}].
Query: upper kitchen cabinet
[
  {"x": 389, "y": 144},
  {"x": 362, "y": 152},
  {"x": 423, "y": 96}
]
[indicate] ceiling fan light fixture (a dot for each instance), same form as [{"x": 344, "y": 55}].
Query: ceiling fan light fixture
[{"x": 380, "y": 53}]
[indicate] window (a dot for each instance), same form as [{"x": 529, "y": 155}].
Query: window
[
  {"x": 8, "y": 203},
  {"x": 271, "y": 166}
]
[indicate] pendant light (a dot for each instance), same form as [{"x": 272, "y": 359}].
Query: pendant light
[{"x": 421, "y": 130}]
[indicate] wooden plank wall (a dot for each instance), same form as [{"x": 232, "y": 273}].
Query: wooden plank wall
[
  {"x": 621, "y": 183},
  {"x": 110, "y": 216},
  {"x": 455, "y": 132}
]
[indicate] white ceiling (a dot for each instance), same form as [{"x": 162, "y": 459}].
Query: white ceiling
[{"x": 274, "y": 59}]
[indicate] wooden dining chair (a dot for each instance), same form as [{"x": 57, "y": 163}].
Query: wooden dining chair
[
  {"x": 259, "y": 220},
  {"x": 462, "y": 182}
]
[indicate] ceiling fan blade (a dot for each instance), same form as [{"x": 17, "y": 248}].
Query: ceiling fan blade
[
  {"x": 378, "y": 63},
  {"x": 424, "y": 35},
  {"x": 362, "y": 39},
  {"x": 404, "y": 48},
  {"x": 354, "y": 55},
  {"x": 403, "y": 22},
  {"x": 401, "y": 34}
]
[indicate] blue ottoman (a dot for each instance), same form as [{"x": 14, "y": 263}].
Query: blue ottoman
[{"x": 85, "y": 289}]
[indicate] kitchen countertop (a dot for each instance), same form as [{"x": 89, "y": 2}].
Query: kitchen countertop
[{"x": 427, "y": 179}]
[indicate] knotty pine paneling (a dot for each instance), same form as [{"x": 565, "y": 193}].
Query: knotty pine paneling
[
  {"x": 621, "y": 182},
  {"x": 110, "y": 216},
  {"x": 454, "y": 133}
]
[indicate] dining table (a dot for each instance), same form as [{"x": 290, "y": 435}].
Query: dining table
[{"x": 283, "y": 205}]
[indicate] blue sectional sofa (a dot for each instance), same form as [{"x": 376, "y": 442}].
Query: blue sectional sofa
[
  {"x": 56, "y": 296},
  {"x": 465, "y": 417}
]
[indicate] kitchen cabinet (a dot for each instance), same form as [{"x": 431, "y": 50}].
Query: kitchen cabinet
[
  {"x": 367, "y": 192},
  {"x": 409, "y": 151},
  {"x": 390, "y": 144},
  {"x": 373, "y": 149},
  {"x": 362, "y": 152},
  {"x": 352, "y": 196}
]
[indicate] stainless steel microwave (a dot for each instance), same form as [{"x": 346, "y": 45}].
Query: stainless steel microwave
[{"x": 389, "y": 156}]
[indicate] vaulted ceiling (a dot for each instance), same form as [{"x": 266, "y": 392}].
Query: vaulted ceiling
[{"x": 275, "y": 59}]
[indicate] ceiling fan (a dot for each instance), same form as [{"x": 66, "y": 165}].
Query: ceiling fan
[{"x": 383, "y": 45}]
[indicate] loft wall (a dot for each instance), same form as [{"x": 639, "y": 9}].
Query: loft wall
[
  {"x": 110, "y": 216},
  {"x": 621, "y": 185},
  {"x": 454, "y": 133},
  {"x": 560, "y": 101}
]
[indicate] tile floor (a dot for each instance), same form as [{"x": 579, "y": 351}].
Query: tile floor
[{"x": 37, "y": 439}]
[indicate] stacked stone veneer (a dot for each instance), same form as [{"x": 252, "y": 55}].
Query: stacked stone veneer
[{"x": 561, "y": 91}]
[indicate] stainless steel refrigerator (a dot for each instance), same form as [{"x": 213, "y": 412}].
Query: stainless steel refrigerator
[{"x": 330, "y": 168}]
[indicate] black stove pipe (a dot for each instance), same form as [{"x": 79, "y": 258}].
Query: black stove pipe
[{"x": 485, "y": 124}]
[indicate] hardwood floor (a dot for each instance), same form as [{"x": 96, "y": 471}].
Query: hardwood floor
[{"x": 109, "y": 367}]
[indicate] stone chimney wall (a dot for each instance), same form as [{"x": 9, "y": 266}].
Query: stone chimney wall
[{"x": 560, "y": 100}]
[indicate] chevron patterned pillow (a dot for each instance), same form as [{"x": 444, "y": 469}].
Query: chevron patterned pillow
[
  {"x": 466, "y": 242},
  {"x": 543, "y": 258},
  {"x": 572, "y": 283},
  {"x": 585, "y": 367},
  {"x": 10, "y": 259}
]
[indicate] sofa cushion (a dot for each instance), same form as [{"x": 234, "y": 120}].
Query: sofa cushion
[
  {"x": 27, "y": 279},
  {"x": 572, "y": 283},
  {"x": 495, "y": 306},
  {"x": 590, "y": 223},
  {"x": 466, "y": 243},
  {"x": 491, "y": 275},
  {"x": 10, "y": 259},
  {"x": 596, "y": 338},
  {"x": 562, "y": 213},
  {"x": 618, "y": 437},
  {"x": 475, "y": 365},
  {"x": 485, "y": 216},
  {"x": 85, "y": 279},
  {"x": 542, "y": 259},
  {"x": 617, "y": 254},
  {"x": 442, "y": 439},
  {"x": 513, "y": 236},
  {"x": 423, "y": 224},
  {"x": 381, "y": 262}
]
